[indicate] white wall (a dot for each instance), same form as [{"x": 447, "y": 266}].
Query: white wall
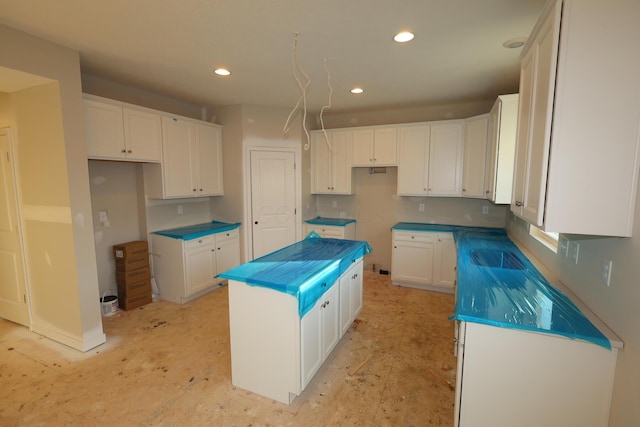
[{"x": 616, "y": 305}]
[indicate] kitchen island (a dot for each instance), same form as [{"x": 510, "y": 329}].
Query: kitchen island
[{"x": 289, "y": 309}]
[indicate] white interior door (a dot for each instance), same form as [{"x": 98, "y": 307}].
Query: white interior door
[
  {"x": 13, "y": 295},
  {"x": 273, "y": 200}
]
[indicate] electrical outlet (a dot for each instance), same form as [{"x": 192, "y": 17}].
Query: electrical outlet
[
  {"x": 607, "y": 266},
  {"x": 334, "y": 204},
  {"x": 563, "y": 247},
  {"x": 575, "y": 252},
  {"x": 421, "y": 207},
  {"x": 180, "y": 209},
  {"x": 485, "y": 210},
  {"x": 103, "y": 216}
]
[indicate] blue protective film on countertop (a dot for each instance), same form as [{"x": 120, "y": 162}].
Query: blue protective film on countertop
[
  {"x": 306, "y": 269},
  {"x": 330, "y": 221},
  {"x": 499, "y": 286},
  {"x": 195, "y": 231}
]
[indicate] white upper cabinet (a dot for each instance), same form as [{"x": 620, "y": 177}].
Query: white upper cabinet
[
  {"x": 374, "y": 146},
  {"x": 578, "y": 141},
  {"x": 474, "y": 157},
  {"x": 118, "y": 131},
  {"x": 191, "y": 161},
  {"x": 501, "y": 147},
  {"x": 445, "y": 158},
  {"x": 430, "y": 159},
  {"x": 331, "y": 162},
  {"x": 413, "y": 160}
]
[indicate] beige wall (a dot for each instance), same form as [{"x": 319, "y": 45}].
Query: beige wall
[
  {"x": 54, "y": 189},
  {"x": 114, "y": 190},
  {"x": 616, "y": 305}
]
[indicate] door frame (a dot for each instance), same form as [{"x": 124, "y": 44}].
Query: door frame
[
  {"x": 20, "y": 219},
  {"x": 247, "y": 191}
]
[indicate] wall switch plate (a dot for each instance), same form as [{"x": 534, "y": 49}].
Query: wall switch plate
[
  {"x": 607, "y": 266},
  {"x": 334, "y": 204},
  {"x": 575, "y": 252},
  {"x": 563, "y": 247},
  {"x": 180, "y": 209},
  {"x": 485, "y": 210},
  {"x": 421, "y": 207}
]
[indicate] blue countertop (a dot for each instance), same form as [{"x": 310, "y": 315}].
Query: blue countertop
[
  {"x": 195, "y": 231},
  {"x": 499, "y": 286},
  {"x": 306, "y": 269},
  {"x": 341, "y": 222}
]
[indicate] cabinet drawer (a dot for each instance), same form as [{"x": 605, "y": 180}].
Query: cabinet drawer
[
  {"x": 199, "y": 242},
  {"x": 406, "y": 236},
  {"x": 227, "y": 235}
]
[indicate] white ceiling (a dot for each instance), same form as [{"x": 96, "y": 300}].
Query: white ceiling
[{"x": 171, "y": 47}]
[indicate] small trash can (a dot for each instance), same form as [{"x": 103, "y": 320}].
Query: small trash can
[{"x": 109, "y": 304}]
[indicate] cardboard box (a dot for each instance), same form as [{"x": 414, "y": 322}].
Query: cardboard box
[
  {"x": 125, "y": 264},
  {"x": 129, "y": 250},
  {"x": 134, "y": 302},
  {"x": 125, "y": 278},
  {"x": 134, "y": 289}
]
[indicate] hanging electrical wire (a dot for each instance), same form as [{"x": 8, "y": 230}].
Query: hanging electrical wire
[
  {"x": 324, "y": 107},
  {"x": 303, "y": 81}
]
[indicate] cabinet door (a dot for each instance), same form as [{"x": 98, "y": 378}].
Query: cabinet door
[
  {"x": 143, "y": 135},
  {"x": 493, "y": 134},
  {"x": 208, "y": 162},
  {"x": 105, "y": 131},
  {"x": 385, "y": 147},
  {"x": 321, "y": 164},
  {"x": 412, "y": 262},
  {"x": 311, "y": 343},
  {"x": 445, "y": 159},
  {"x": 350, "y": 296},
  {"x": 413, "y": 160},
  {"x": 537, "y": 85},
  {"x": 474, "y": 157},
  {"x": 341, "y": 162},
  {"x": 330, "y": 321},
  {"x": 177, "y": 158},
  {"x": 356, "y": 291},
  {"x": 362, "y": 148},
  {"x": 445, "y": 261},
  {"x": 200, "y": 261},
  {"x": 227, "y": 251}
]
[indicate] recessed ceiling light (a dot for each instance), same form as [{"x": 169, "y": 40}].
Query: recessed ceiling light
[
  {"x": 357, "y": 90},
  {"x": 222, "y": 71},
  {"x": 515, "y": 43},
  {"x": 403, "y": 37}
]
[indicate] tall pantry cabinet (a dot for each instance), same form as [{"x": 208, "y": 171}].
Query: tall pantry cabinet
[{"x": 578, "y": 143}]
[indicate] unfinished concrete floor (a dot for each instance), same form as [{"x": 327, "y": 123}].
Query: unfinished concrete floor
[{"x": 169, "y": 365}]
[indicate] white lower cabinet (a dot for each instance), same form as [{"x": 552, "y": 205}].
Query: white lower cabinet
[
  {"x": 508, "y": 377},
  {"x": 185, "y": 269},
  {"x": 424, "y": 260},
  {"x": 274, "y": 352}
]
